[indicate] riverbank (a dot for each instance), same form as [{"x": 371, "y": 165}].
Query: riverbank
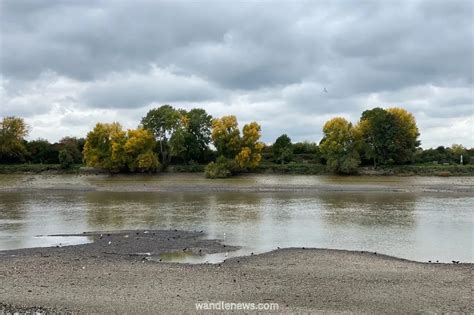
[
  {"x": 248, "y": 183},
  {"x": 264, "y": 168},
  {"x": 118, "y": 277}
]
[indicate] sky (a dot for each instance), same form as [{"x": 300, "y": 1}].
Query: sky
[{"x": 66, "y": 65}]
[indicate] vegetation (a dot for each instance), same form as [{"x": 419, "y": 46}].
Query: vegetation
[
  {"x": 383, "y": 141},
  {"x": 109, "y": 147},
  {"x": 13, "y": 130},
  {"x": 236, "y": 153},
  {"x": 282, "y": 150},
  {"x": 180, "y": 134},
  {"x": 339, "y": 146}
]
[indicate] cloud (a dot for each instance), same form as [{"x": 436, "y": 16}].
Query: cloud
[
  {"x": 64, "y": 63},
  {"x": 136, "y": 90}
]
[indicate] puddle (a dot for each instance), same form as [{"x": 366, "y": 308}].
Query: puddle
[
  {"x": 191, "y": 258},
  {"x": 48, "y": 241}
]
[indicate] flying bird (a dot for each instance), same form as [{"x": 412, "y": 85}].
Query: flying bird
[{"x": 325, "y": 90}]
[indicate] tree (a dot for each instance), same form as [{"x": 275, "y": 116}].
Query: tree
[
  {"x": 250, "y": 153},
  {"x": 110, "y": 148},
  {"x": 190, "y": 140},
  {"x": 13, "y": 130},
  {"x": 139, "y": 149},
  {"x": 65, "y": 159},
  {"x": 104, "y": 147},
  {"x": 405, "y": 137},
  {"x": 162, "y": 122},
  {"x": 282, "y": 149},
  {"x": 41, "y": 151},
  {"x": 74, "y": 146},
  {"x": 339, "y": 146},
  {"x": 198, "y": 134},
  {"x": 226, "y": 136},
  {"x": 377, "y": 128},
  {"x": 458, "y": 150}
]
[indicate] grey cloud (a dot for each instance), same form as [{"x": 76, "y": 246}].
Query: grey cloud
[
  {"x": 132, "y": 90},
  {"x": 255, "y": 54}
]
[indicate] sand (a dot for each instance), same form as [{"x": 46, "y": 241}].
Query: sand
[{"x": 120, "y": 278}]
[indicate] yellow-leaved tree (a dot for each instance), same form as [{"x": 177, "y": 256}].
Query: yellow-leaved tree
[
  {"x": 110, "y": 148},
  {"x": 250, "y": 153},
  {"x": 139, "y": 149},
  {"x": 235, "y": 152},
  {"x": 339, "y": 146},
  {"x": 405, "y": 137},
  {"x": 226, "y": 136}
]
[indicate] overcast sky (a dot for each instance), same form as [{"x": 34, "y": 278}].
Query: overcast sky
[{"x": 66, "y": 65}]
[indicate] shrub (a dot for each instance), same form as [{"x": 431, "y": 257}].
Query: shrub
[
  {"x": 222, "y": 168},
  {"x": 65, "y": 159}
]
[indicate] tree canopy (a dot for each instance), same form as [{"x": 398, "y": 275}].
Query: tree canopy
[
  {"x": 339, "y": 146},
  {"x": 13, "y": 130},
  {"x": 108, "y": 147}
]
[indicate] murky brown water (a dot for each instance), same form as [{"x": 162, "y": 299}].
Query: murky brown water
[{"x": 414, "y": 225}]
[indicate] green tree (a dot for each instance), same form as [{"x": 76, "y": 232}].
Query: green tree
[
  {"x": 65, "y": 159},
  {"x": 282, "y": 149},
  {"x": 163, "y": 122},
  {"x": 455, "y": 153},
  {"x": 41, "y": 151},
  {"x": 74, "y": 146},
  {"x": 191, "y": 138},
  {"x": 13, "y": 130},
  {"x": 198, "y": 134},
  {"x": 339, "y": 146},
  {"x": 377, "y": 128}
]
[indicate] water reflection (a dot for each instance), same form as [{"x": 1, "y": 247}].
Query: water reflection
[
  {"x": 414, "y": 226},
  {"x": 370, "y": 209}
]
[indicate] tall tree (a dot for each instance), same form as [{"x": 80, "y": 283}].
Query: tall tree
[
  {"x": 13, "y": 130},
  {"x": 282, "y": 149},
  {"x": 139, "y": 149},
  {"x": 104, "y": 147},
  {"x": 339, "y": 146},
  {"x": 405, "y": 137},
  {"x": 250, "y": 153},
  {"x": 190, "y": 141},
  {"x": 226, "y": 136},
  {"x": 198, "y": 134},
  {"x": 163, "y": 122},
  {"x": 377, "y": 128}
]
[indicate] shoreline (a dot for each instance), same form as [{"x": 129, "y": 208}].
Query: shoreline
[
  {"x": 102, "y": 277},
  {"x": 248, "y": 183}
]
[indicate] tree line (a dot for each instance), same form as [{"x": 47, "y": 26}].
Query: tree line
[{"x": 167, "y": 135}]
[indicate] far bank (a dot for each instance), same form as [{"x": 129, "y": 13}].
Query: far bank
[{"x": 265, "y": 168}]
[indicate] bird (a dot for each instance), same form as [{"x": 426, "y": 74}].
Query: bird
[{"x": 325, "y": 90}]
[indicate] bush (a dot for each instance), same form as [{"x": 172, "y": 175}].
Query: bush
[
  {"x": 65, "y": 159},
  {"x": 222, "y": 168}
]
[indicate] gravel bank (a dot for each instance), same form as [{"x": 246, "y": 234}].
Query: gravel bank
[{"x": 109, "y": 278}]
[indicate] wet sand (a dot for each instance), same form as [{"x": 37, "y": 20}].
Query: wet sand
[
  {"x": 193, "y": 182},
  {"x": 103, "y": 277}
]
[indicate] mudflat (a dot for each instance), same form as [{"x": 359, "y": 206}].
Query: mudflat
[{"x": 117, "y": 272}]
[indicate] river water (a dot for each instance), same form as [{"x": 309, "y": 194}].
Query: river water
[{"x": 391, "y": 215}]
